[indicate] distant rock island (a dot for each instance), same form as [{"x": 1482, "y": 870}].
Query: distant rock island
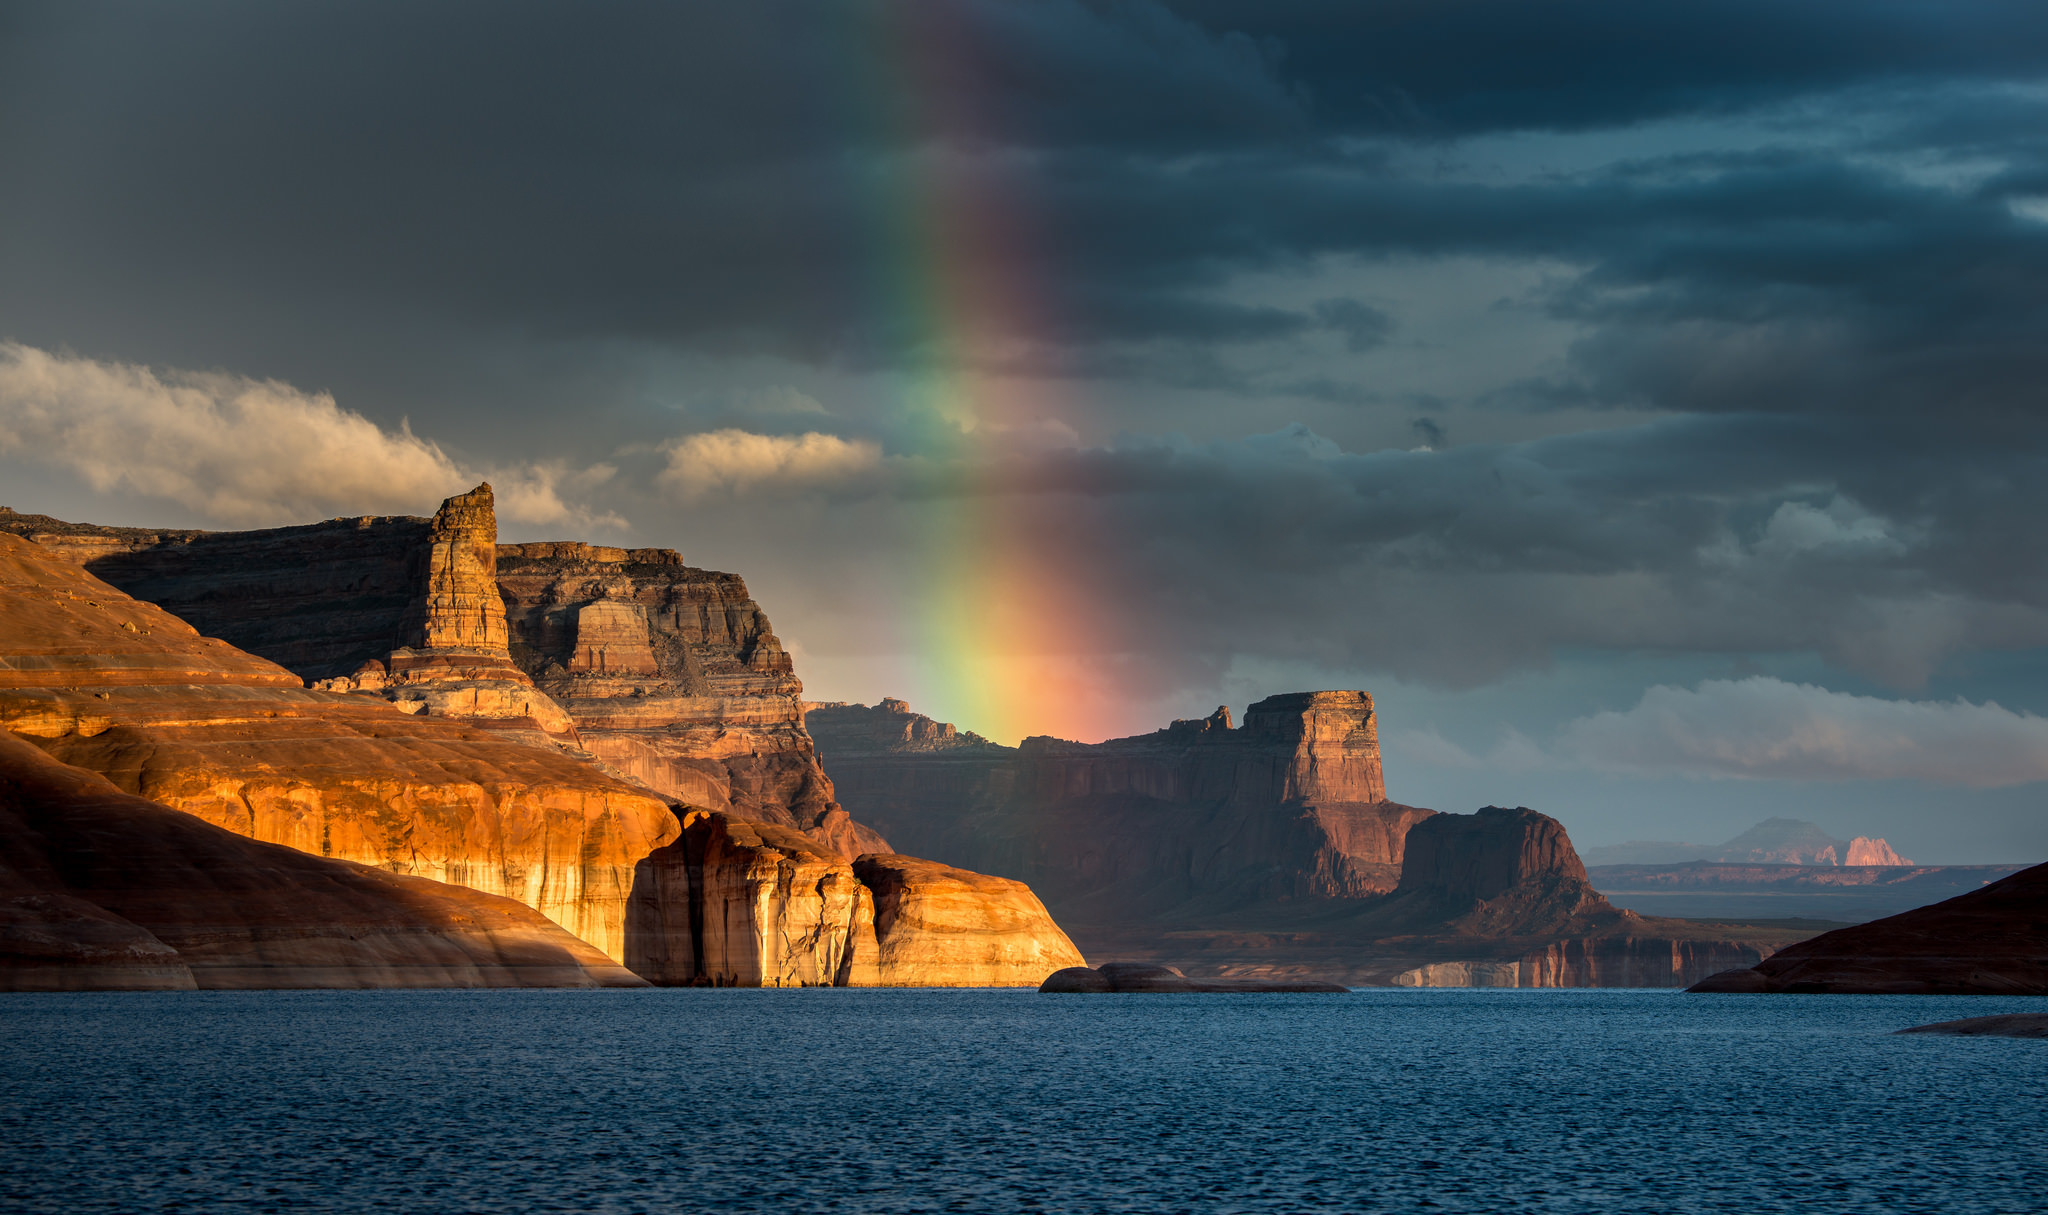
[
  {"x": 1775, "y": 841},
  {"x": 1992, "y": 941},
  {"x": 1267, "y": 850},
  {"x": 430, "y": 744}
]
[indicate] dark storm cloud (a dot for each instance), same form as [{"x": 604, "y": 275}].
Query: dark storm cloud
[{"x": 1836, "y": 314}]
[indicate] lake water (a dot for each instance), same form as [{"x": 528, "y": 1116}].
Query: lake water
[{"x": 850, "y": 1100}]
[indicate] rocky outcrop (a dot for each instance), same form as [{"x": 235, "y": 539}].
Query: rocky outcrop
[
  {"x": 739, "y": 904},
  {"x": 2011, "y": 1025},
  {"x": 1251, "y": 852},
  {"x": 1992, "y": 941},
  {"x": 123, "y": 688},
  {"x": 1138, "y": 977},
  {"x": 101, "y": 890},
  {"x": 939, "y": 926},
  {"x": 461, "y": 609},
  {"x": 671, "y": 675},
  {"x": 1866, "y": 851},
  {"x": 674, "y": 676},
  {"x": 1290, "y": 805}
]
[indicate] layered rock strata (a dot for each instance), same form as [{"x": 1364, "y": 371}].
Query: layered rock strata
[
  {"x": 674, "y": 676},
  {"x": 668, "y": 674},
  {"x": 102, "y": 890},
  {"x": 123, "y": 688},
  {"x": 1292, "y": 805},
  {"x": 1264, "y": 852},
  {"x": 734, "y": 903},
  {"x": 1992, "y": 941}
]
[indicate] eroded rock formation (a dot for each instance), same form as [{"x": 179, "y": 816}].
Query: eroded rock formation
[
  {"x": 744, "y": 904},
  {"x": 102, "y": 890},
  {"x": 1266, "y": 852},
  {"x": 1290, "y": 805},
  {"x": 1992, "y": 941},
  {"x": 123, "y": 688},
  {"x": 674, "y": 676}
]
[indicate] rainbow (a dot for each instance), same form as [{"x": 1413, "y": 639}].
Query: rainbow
[{"x": 988, "y": 635}]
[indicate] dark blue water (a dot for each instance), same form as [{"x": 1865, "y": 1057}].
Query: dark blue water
[{"x": 839, "y": 1100}]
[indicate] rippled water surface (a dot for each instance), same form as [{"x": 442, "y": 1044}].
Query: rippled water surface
[{"x": 835, "y": 1100}]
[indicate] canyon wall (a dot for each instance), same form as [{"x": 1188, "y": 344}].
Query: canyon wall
[
  {"x": 674, "y": 676},
  {"x": 436, "y": 753},
  {"x": 1263, "y": 852},
  {"x": 123, "y": 688},
  {"x": 1290, "y": 805},
  {"x": 102, "y": 890},
  {"x": 734, "y": 903}
]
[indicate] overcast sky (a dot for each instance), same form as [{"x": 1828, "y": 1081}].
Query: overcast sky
[{"x": 1645, "y": 401}]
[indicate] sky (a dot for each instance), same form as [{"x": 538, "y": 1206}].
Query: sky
[{"x": 1645, "y": 402}]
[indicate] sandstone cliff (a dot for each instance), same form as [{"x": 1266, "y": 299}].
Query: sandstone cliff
[
  {"x": 674, "y": 676},
  {"x": 1262, "y": 852},
  {"x": 123, "y": 688},
  {"x": 102, "y": 890},
  {"x": 1992, "y": 941},
  {"x": 697, "y": 695},
  {"x": 669, "y": 674},
  {"x": 1290, "y": 805},
  {"x": 744, "y": 904}
]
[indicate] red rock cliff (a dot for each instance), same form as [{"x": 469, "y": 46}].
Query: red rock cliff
[
  {"x": 123, "y": 688},
  {"x": 102, "y": 890},
  {"x": 674, "y": 676}
]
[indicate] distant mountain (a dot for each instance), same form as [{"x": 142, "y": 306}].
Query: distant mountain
[{"x": 1775, "y": 841}]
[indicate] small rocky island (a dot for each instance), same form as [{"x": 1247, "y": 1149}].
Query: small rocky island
[{"x": 1118, "y": 978}]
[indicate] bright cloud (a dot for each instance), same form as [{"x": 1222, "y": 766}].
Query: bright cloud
[
  {"x": 1769, "y": 729},
  {"x": 247, "y": 452},
  {"x": 736, "y": 460}
]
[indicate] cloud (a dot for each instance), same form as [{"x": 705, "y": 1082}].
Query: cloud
[
  {"x": 532, "y": 495},
  {"x": 247, "y": 452},
  {"x": 237, "y": 450},
  {"x": 733, "y": 460},
  {"x": 1763, "y": 728}
]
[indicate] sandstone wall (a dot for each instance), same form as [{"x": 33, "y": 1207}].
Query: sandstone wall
[
  {"x": 739, "y": 904},
  {"x": 674, "y": 676},
  {"x": 101, "y": 890},
  {"x": 123, "y": 688},
  {"x": 1291, "y": 805}
]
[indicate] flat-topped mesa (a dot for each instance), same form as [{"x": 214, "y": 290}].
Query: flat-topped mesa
[
  {"x": 1336, "y": 745},
  {"x": 1115, "y": 828}
]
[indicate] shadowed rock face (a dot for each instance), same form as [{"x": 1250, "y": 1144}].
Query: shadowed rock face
[
  {"x": 744, "y": 904},
  {"x": 1992, "y": 941},
  {"x": 100, "y": 890},
  {"x": 1249, "y": 853},
  {"x": 1291, "y": 805},
  {"x": 123, "y": 688}
]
